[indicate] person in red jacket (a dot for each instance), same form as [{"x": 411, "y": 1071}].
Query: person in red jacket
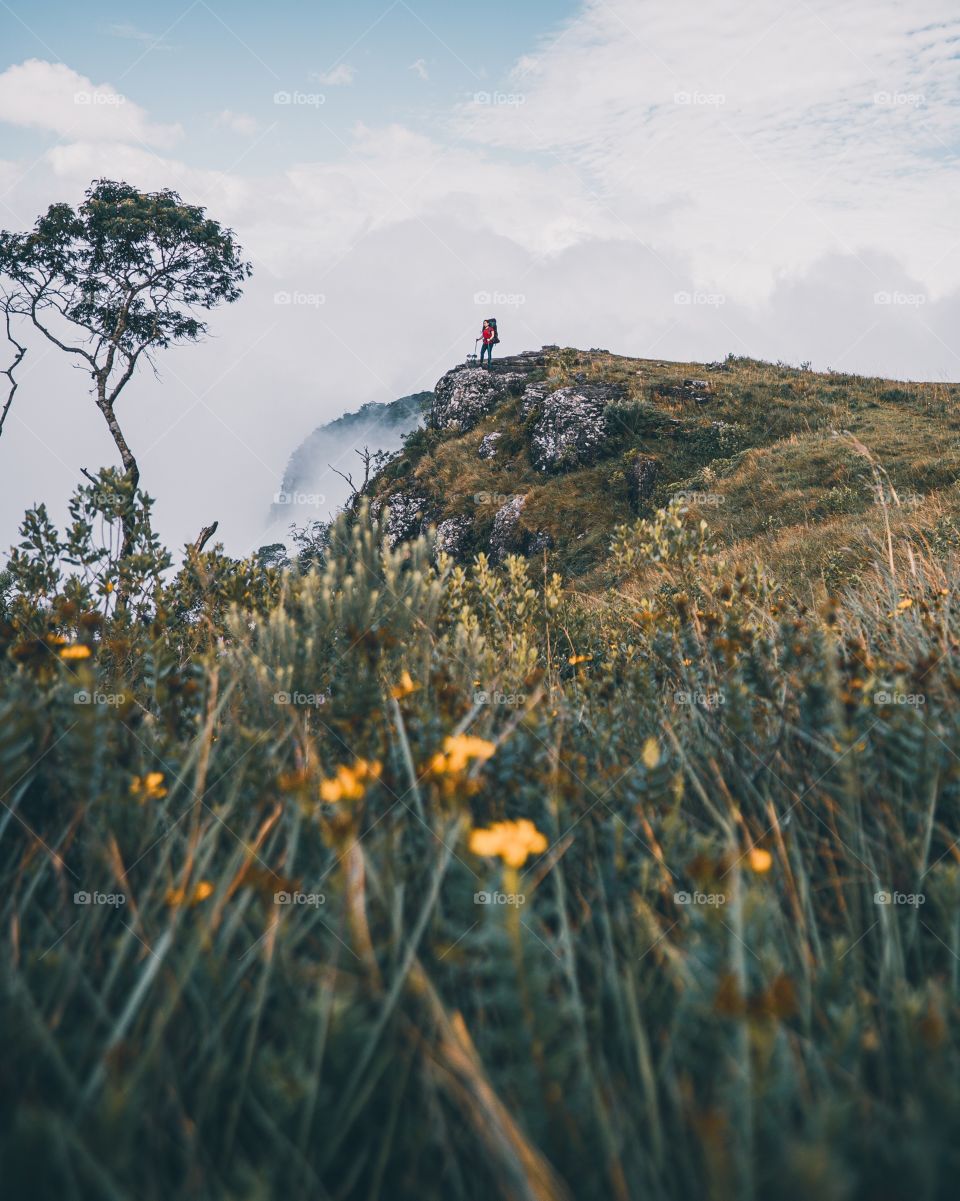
[{"x": 488, "y": 334}]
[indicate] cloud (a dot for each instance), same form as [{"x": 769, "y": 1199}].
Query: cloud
[
  {"x": 238, "y": 122},
  {"x": 52, "y": 97},
  {"x": 338, "y": 76},
  {"x": 420, "y": 66},
  {"x": 751, "y": 136},
  {"x": 131, "y": 33}
]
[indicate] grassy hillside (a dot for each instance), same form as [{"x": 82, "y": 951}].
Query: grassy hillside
[
  {"x": 408, "y": 878},
  {"x": 768, "y": 454}
]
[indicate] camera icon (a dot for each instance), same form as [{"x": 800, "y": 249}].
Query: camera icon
[
  {"x": 81, "y": 898},
  {"x": 881, "y": 898},
  {"x": 481, "y": 698},
  {"x": 281, "y": 698},
  {"x": 481, "y": 298},
  {"x": 481, "y": 898},
  {"x": 881, "y": 698},
  {"x": 681, "y": 898},
  {"x": 83, "y": 697},
  {"x": 282, "y": 98},
  {"x": 281, "y": 898}
]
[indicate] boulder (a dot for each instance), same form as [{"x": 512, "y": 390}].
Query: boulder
[
  {"x": 466, "y": 394},
  {"x": 452, "y": 535},
  {"x": 409, "y": 516},
  {"x": 571, "y": 427},
  {"x": 508, "y": 537},
  {"x": 488, "y": 445}
]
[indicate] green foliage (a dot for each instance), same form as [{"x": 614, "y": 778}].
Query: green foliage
[{"x": 700, "y": 994}]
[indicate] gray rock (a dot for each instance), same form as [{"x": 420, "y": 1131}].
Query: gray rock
[
  {"x": 466, "y": 394},
  {"x": 452, "y": 534},
  {"x": 508, "y": 537},
  {"x": 642, "y": 475},
  {"x": 533, "y": 396},
  {"x": 409, "y": 516},
  {"x": 572, "y": 427},
  {"x": 488, "y": 445},
  {"x": 540, "y": 542}
]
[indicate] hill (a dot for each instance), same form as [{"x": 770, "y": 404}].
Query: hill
[{"x": 552, "y": 450}]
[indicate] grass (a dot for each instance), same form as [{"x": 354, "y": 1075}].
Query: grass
[
  {"x": 785, "y": 471},
  {"x": 702, "y": 994}
]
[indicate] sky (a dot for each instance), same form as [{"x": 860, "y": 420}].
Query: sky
[{"x": 660, "y": 178}]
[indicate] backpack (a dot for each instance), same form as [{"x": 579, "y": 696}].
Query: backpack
[{"x": 493, "y": 322}]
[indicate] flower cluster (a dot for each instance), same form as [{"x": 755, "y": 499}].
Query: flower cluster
[
  {"x": 350, "y": 783},
  {"x": 513, "y": 841}
]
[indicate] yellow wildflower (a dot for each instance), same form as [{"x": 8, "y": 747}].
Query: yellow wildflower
[
  {"x": 404, "y": 688},
  {"x": 458, "y": 750},
  {"x": 178, "y": 896},
  {"x": 77, "y": 651},
  {"x": 760, "y": 860},
  {"x": 350, "y": 783},
  {"x": 149, "y": 787},
  {"x": 651, "y": 753},
  {"x": 575, "y": 659},
  {"x": 512, "y": 841}
]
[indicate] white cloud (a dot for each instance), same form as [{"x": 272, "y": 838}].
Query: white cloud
[
  {"x": 52, "y": 97},
  {"x": 338, "y": 76},
  {"x": 238, "y": 122},
  {"x": 420, "y": 66},
  {"x": 752, "y": 136}
]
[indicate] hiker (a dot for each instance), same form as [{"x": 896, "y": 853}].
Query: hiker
[{"x": 489, "y": 336}]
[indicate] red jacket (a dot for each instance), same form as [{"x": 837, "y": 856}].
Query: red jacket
[{"x": 488, "y": 334}]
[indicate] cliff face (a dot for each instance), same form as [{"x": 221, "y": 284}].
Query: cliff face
[
  {"x": 311, "y": 489},
  {"x": 550, "y": 451}
]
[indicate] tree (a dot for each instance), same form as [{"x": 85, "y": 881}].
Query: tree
[{"x": 115, "y": 280}]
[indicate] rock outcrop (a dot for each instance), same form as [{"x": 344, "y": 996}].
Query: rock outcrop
[
  {"x": 488, "y": 445},
  {"x": 508, "y": 537},
  {"x": 465, "y": 395},
  {"x": 571, "y": 427},
  {"x": 452, "y": 535}
]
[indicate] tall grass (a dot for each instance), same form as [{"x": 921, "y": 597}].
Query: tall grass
[{"x": 734, "y": 970}]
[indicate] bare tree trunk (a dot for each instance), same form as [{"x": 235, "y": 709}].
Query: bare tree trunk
[
  {"x": 128, "y": 518},
  {"x": 20, "y": 351}
]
